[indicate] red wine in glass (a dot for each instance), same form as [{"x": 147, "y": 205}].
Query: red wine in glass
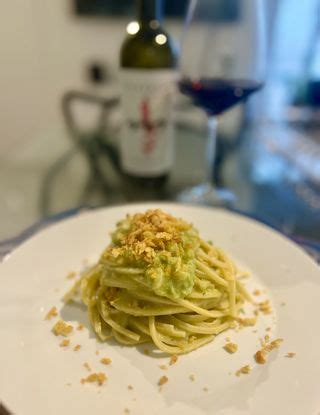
[{"x": 216, "y": 95}]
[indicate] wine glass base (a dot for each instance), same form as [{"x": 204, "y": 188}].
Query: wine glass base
[{"x": 206, "y": 194}]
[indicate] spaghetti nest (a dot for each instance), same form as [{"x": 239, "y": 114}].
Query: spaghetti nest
[{"x": 159, "y": 282}]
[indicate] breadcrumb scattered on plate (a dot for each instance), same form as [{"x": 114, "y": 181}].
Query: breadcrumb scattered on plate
[
  {"x": 265, "y": 307},
  {"x": 64, "y": 343},
  {"x": 290, "y": 354},
  {"x": 256, "y": 292},
  {"x": 163, "y": 367},
  {"x": 130, "y": 387},
  {"x": 248, "y": 321},
  {"x": 230, "y": 347},
  {"x": 53, "y": 312},
  {"x": 146, "y": 351},
  {"x": 77, "y": 347},
  {"x": 192, "y": 377},
  {"x": 71, "y": 275},
  {"x": 99, "y": 378},
  {"x": 173, "y": 360},
  {"x": 105, "y": 361},
  {"x": 163, "y": 380},
  {"x": 244, "y": 370},
  {"x": 126, "y": 411},
  {"x": 62, "y": 328},
  {"x": 261, "y": 355},
  {"x": 87, "y": 366},
  {"x": 80, "y": 327}
]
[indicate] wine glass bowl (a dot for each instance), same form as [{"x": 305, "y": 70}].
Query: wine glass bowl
[{"x": 222, "y": 63}]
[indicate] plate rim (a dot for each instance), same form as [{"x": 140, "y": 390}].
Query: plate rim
[{"x": 42, "y": 226}]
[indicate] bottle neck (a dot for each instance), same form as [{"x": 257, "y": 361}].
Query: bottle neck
[{"x": 149, "y": 10}]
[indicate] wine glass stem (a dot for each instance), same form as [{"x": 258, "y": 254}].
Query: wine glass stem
[{"x": 211, "y": 149}]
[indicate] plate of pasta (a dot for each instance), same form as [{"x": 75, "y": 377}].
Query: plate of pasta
[{"x": 159, "y": 308}]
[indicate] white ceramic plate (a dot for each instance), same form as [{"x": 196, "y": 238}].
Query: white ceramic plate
[{"x": 38, "y": 377}]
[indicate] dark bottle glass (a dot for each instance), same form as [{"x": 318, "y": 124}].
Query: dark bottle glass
[{"x": 147, "y": 79}]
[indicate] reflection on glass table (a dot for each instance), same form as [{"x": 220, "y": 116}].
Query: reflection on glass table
[{"x": 49, "y": 175}]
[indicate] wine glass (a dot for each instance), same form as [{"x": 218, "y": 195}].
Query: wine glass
[{"x": 222, "y": 64}]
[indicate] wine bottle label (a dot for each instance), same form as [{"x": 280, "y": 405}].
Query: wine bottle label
[{"x": 147, "y": 134}]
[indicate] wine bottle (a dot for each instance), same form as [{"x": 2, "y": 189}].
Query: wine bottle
[{"x": 147, "y": 80}]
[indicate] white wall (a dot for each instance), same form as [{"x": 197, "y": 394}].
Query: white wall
[{"x": 43, "y": 50}]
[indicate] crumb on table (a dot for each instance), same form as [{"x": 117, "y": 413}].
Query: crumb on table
[
  {"x": 244, "y": 370},
  {"x": 80, "y": 327},
  {"x": 163, "y": 367},
  {"x": 192, "y": 377},
  {"x": 173, "y": 360},
  {"x": 265, "y": 307},
  {"x": 53, "y": 312},
  {"x": 99, "y": 378},
  {"x": 130, "y": 387},
  {"x": 105, "y": 361},
  {"x": 64, "y": 343},
  {"x": 126, "y": 411},
  {"x": 248, "y": 321},
  {"x": 163, "y": 380},
  {"x": 230, "y": 347},
  {"x": 62, "y": 328},
  {"x": 261, "y": 355},
  {"x": 290, "y": 354},
  {"x": 256, "y": 292},
  {"x": 71, "y": 275},
  {"x": 87, "y": 366},
  {"x": 77, "y": 347}
]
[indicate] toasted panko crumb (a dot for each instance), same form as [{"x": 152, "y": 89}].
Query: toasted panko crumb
[
  {"x": 192, "y": 377},
  {"x": 267, "y": 338},
  {"x": 130, "y": 387},
  {"x": 126, "y": 411},
  {"x": 244, "y": 370},
  {"x": 230, "y": 347},
  {"x": 97, "y": 352},
  {"x": 71, "y": 275},
  {"x": 163, "y": 367},
  {"x": 290, "y": 354},
  {"x": 173, "y": 360},
  {"x": 53, "y": 312},
  {"x": 80, "y": 327},
  {"x": 105, "y": 361},
  {"x": 205, "y": 389},
  {"x": 248, "y": 321},
  {"x": 268, "y": 328},
  {"x": 62, "y": 328},
  {"x": 265, "y": 307},
  {"x": 163, "y": 380},
  {"x": 149, "y": 232},
  {"x": 87, "y": 366},
  {"x": 256, "y": 292},
  {"x": 227, "y": 339},
  {"x": 99, "y": 378},
  {"x": 146, "y": 351},
  {"x": 64, "y": 343},
  {"x": 261, "y": 355},
  {"x": 77, "y": 347}
]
